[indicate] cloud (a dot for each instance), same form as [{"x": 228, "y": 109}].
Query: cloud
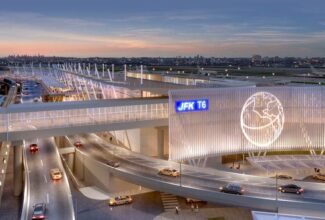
[{"x": 165, "y": 34}]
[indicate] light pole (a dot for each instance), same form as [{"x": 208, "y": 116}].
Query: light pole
[{"x": 276, "y": 191}]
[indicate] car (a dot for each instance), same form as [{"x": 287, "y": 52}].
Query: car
[
  {"x": 56, "y": 174},
  {"x": 169, "y": 172},
  {"x": 78, "y": 144},
  {"x": 33, "y": 148},
  {"x": 120, "y": 200},
  {"x": 39, "y": 211},
  {"x": 291, "y": 188},
  {"x": 319, "y": 176},
  {"x": 112, "y": 163},
  {"x": 232, "y": 188}
]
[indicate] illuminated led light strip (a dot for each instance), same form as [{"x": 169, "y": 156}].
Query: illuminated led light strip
[{"x": 273, "y": 119}]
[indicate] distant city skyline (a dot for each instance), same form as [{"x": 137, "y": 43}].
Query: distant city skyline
[{"x": 166, "y": 28}]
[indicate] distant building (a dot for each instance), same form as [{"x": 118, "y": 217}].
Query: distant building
[{"x": 256, "y": 59}]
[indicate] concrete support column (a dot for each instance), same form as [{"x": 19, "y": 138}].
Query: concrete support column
[
  {"x": 18, "y": 169},
  {"x": 60, "y": 141},
  {"x": 70, "y": 161},
  {"x": 160, "y": 142}
]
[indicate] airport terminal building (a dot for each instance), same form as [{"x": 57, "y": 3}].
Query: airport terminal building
[{"x": 215, "y": 122}]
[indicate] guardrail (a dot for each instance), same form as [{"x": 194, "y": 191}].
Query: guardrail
[
  {"x": 66, "y": 180},
  {"x": 24, "y": 212},
  {"x": 10, "y": 98},
  {"x": 74, "y": 180},
  {"x": 3, "y": 164}
]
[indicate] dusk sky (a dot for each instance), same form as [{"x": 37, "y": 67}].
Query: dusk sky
[{"x": 232, "y": 28}]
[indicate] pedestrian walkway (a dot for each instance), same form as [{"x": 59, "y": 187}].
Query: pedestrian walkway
[{"x": 169, "y": 201}]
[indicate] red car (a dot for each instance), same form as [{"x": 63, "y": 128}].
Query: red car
[
  {"x": 33, "y": 148},
  {"x": 78, "y": 144}
]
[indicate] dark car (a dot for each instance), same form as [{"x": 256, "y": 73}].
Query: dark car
[
  {"x": 233, "y": 188},
  {"x": 112, "y": 163},
  {"x": 291, "y": 188},
  {"x": 39, "y": 211},
  {"x": 33, "y": 148}
]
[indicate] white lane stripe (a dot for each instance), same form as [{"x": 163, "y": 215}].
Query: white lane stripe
[
  {"x": 45, "y": 179},
  {"x": 47, "y": 198}
]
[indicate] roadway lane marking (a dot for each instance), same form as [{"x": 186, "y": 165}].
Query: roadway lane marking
[
  {"x": 47, "y": 198},
  {"x": 45, "y": 179},
  {"x": 42, "y": 163}
]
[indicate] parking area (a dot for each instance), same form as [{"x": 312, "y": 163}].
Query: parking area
[{"x": 31, "y": 91}]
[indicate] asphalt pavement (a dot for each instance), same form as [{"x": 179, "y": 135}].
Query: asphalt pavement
[{"x": 42, "y": 189}]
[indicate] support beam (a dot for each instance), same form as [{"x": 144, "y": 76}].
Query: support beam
[
  {"x": 103, "y": 70},
  {"x": 141, "y": 74},
  {"x": 113, "y": 72},
  {"x": 125, "y": 73},
  {"x": 160, "y": 141}
]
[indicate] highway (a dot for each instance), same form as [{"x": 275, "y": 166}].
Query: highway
[
  {"x": 40, "y": 188},
  {"x": 193, "y": 177}
]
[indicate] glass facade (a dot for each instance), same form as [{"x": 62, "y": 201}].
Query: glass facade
[
  {"x": 247, "y": 119},
  {"x": 34, "y": 120}
]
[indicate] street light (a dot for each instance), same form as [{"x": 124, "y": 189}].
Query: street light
[{"x": 276, "y": 186}]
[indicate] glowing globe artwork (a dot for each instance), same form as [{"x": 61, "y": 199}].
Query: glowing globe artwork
[{"x": 262, "y": 119}]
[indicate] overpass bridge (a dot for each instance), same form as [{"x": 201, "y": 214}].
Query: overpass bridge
[
  {"x": 40, "y": 120},
  {"x": 195, "y": 182}
]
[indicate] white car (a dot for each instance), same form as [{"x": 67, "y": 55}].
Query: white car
[
  {"x": 169, "y": 172},
  {"x": 120, "y": 200},
  {"x": 56, "y": 174}
]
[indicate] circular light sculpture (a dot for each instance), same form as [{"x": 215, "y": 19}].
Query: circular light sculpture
[{"x": 262, "y": 119}]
